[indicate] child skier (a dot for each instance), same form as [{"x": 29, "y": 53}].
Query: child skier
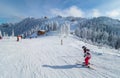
[{"x": 87, "y": 57}]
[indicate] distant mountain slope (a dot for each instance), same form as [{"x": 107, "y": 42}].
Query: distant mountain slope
[
  {"x": 28, "y": 24},
  {"x": 103, "y": 30}
]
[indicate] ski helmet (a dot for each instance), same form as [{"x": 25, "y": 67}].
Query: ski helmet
[{"x": 83, "y": 47}]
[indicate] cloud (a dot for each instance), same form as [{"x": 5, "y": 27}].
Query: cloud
[
  {"x": 96, "y": 13},
  {"x": 113, "y": 13},
  {"x": 92, "y": 13},
  {"x": 110, "y": 8},
  {"x": 109, "y": 13},
  {"x": 78, "y": 12},
  {"x": 72, "y": 11}
]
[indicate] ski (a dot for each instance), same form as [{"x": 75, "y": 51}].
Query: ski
[{"x": 81, "y": 64}]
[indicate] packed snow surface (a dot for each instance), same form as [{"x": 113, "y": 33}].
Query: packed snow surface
[{"x": 45, "y": 57}]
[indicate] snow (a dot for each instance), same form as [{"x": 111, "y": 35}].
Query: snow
[{"x": 45, "y": 57}]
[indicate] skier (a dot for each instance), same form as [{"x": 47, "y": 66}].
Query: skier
[
  {"x": 87, "y": 58},
  {"x": 19, "y": 37}
]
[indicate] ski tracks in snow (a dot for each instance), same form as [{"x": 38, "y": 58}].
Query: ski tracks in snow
[{"x": 47, "y": 58}]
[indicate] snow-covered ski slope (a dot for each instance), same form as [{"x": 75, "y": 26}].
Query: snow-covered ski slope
[{"x": 45, "y": 57}]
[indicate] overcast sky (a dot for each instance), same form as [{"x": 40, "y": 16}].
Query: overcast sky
[{"x": 11, "y": 10}]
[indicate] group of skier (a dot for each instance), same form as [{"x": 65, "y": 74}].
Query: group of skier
[{"x": 87, "y": 56}]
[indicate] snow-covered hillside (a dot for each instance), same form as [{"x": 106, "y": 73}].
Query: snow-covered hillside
[{"x": 45, "y": 57}]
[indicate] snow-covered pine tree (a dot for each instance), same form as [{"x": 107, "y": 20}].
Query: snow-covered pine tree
[
  {"x": 54, "y": 26},
  {"x": 67, "y": 29},
  {"x": 117, "y": 44},
  {"x": 13, "y": 33}
]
